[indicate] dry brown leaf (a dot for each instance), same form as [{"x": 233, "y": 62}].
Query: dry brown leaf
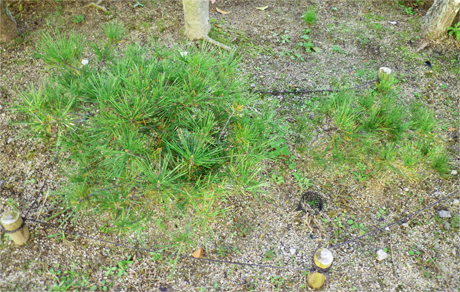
[
  {"x": 221, "y": 11},
  {"x": 198, "y": 253},
  {"x": 262, "y": 8},
  {"x": 452, "y": 129}
]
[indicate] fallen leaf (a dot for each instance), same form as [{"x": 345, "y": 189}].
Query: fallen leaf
[
  {"x": 452, "y": 129},
  {"x": 262, "y": 8},
  {"x": 316, "y": 49},
  {"x": 221, "y": 11},
  {"x": 198, "y": 253},
  {"x": 212, "y": 10}
]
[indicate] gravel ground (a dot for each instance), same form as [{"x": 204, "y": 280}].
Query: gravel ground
[{"x": 353, "y": 35}]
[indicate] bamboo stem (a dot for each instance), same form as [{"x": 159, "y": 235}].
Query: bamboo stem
[{"x": 14, "y": 225}]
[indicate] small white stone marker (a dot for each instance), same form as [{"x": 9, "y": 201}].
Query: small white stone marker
[
  {"x": 323, "y": 258},
  {"x": 381, "y": 255},
  {"x": 456, "y": 203},
  {"x": 444, "y": 214}
]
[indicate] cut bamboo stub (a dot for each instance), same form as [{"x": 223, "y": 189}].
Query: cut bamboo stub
[
  {"x": 11, "y": 221},
  {"x": 316, "y": 280},
  {"x": 323, "y": 258}
]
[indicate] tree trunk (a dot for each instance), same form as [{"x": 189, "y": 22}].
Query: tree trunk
[
  {"x": 439, "y": 17},
  {"x": 8, "y": 28},
  {"x": 196, "y": 13}
]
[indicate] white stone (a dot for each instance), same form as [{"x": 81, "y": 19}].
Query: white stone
[
  {"x": 393, "y": 22},
  {"x": 10, "y": 140},
  {"x": 456, "y": 203},
  {"x": 292, "y": 251},
  {"x": 444, "y": 214},
  {"x": 84, "y": 62},
  {"x": 454, "y": 172},
  {"x": 381, "y": 255}
]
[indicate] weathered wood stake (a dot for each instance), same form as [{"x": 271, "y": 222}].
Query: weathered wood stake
[{"x": 14, "y": 225}]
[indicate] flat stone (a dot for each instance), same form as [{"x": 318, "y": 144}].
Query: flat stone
[
  {"x": 381, "y": 255},
  {"x": 444, "y": 214},
  {"x": 454, "y": 172}
]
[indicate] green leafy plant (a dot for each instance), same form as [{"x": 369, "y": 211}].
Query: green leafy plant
[
  {"x": 269, "y": 255},
  {"x": 279, "y": 147},
  {"x": 285, "y": 39},
  {"x": 149, "y": 126},
  {"x": 70, "y": 280},
  {"x": 309, "y": 16},
  {"x": 455, "y": 30},
  {"x": 306, "y": 42},
  {"x": 376, "y": 131},
  {"x": 360, "y": 174},
  {"x": 78, "y": 18},
  {"x": 304, "y": 183},
  {"x": 337, "y": 49},
  {"x": 138, "y": 4},
  {"x": 409, "y": 11}
]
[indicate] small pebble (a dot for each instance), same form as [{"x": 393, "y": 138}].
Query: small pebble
[
  {"x": 454, "y": 172},
  {"x": 447, "y": 225},
  {"x": 10, "y": 140},
  {"x": 393, "y": 22},
  {"x": 381, "y": 255},
  {"x": 292, "y": 251},
  {"x": 456, "y": 203},
  {"x": 444, "y": 214}
]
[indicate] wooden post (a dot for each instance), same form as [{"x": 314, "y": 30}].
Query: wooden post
[
  {"x": 15, "y": 227},
  {"x": 322, "y": 260}
]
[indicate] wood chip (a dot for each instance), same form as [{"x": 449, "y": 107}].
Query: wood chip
[
  {"x": 198, "y": 253},
  {"x": 221, "y": 11}
]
